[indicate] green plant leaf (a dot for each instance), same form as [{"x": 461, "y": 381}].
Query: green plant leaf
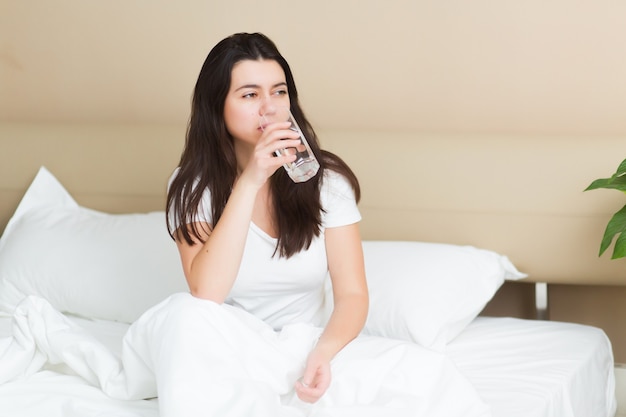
[
  {"x": 616, "y": 225},
  {"x": 617, "y": 181},
  {"x": 621, "y": 170},
  {"x": 620, "y": 247}
]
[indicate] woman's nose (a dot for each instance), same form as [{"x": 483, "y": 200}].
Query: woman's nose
[{"x": 267, "y": 107}]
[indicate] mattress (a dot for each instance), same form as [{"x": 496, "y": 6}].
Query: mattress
[
  {"x": 531, "y": 368},
  {"x": 521, "y": 368}
]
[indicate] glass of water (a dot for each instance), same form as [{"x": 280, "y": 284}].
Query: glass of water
[{"x": 305, "y": 166}]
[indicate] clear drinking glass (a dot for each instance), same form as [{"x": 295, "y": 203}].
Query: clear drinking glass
[{"x": 305, "y": 166}]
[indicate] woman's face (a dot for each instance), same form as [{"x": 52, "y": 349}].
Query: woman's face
[{"x": 255, "y": 86}]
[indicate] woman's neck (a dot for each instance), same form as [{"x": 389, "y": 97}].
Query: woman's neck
[{"x": 243, "y": 153}]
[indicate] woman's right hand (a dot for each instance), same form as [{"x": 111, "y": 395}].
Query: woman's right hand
[
  {"x": 212, "y": 267},
  {"x": 265, "y": 158}
]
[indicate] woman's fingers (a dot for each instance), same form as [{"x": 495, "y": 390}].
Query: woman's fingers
[
  {"x": 276, "y": 145},
  {"x": 268, "y": 153},
  {"x": 315, "y": 381},
  {"x": 309, "y": 393},
  {"x": 276, "y": 139}
]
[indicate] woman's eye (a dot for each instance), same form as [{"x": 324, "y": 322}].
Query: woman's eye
[
  {"x": 280, "y": 92},
  {"x": 249, "y": 95}
]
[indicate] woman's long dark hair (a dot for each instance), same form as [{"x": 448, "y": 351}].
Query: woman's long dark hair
[{"x": 208, "y": 158}]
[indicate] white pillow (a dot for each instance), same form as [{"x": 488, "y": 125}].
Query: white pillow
[
  {"x": 85, "y": 262},
  {"x": 429, "y": 292}
]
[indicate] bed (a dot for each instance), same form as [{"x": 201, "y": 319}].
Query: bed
[
  {"x": 428, "y": 283},
  {"x": 520, "y": 368}
]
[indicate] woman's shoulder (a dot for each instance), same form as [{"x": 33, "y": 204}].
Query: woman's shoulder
[
  {"x": 338, "y": 200},
  {"x": 177, "y": 172},
  {"x": 339, "y": 172},
  {"x": 333, "y": 179},
  {"x": 203, "y": 209},
  {"x": 335, "y": 185},
  {"x": 172, "y": 177}
]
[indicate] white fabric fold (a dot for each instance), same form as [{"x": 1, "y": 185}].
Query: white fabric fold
[{"x": 205, "y": 359}]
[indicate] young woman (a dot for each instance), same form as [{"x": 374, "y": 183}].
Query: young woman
[
  {"x": 254, "y": 336},
  {"x": 248, "y": 235}
]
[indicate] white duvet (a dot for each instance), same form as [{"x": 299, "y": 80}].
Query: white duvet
[{"x": 52, "y": 367}]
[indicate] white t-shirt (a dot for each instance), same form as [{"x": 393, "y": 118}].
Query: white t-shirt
[{"x": 282, "y": 291}]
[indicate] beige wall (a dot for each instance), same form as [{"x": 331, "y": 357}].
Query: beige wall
[{"x": 483, "y": 66}]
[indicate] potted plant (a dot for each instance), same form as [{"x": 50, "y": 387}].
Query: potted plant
[{"x": 617, "y": 224}]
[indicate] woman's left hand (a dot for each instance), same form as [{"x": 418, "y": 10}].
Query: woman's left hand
[{"x": 316, "y": 378}]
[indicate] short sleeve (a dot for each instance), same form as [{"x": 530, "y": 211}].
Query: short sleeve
[
  {"x": 338, "y": 201},
  {"x": 204, "y": 209}
]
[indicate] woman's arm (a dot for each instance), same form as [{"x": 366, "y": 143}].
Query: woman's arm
[
  {"x": 212, "y": 267},
  {"x": 347, "y": 272}
]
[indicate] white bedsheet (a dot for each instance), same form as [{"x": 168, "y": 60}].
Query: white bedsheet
[
  {"x": 380, "y": 369},
  {"x": 55, "y": 391},
  {"x": 520, "y": 368},
  {"x": 525, "y": 368}
]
